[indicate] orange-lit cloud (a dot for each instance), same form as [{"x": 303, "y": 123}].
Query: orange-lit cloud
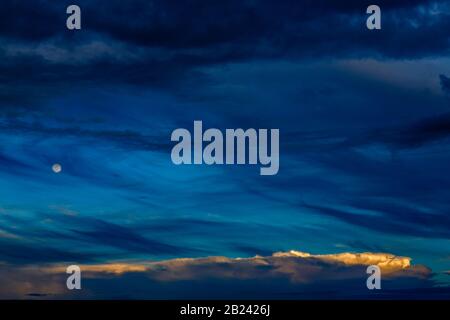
[{"x": 296, "y": 267}]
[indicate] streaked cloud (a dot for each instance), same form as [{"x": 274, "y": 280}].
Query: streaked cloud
[{"x": 8, "y": 235}]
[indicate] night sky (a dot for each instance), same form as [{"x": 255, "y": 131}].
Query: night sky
[{"x": 364, "y": 119}]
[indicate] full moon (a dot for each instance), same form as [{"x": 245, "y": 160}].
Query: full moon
[{"x": 56, "y": 168}]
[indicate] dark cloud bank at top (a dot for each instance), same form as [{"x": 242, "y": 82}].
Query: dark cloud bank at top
[{"x": 160, "y": 43}]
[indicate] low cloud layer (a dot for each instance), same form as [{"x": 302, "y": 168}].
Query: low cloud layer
[{"x": 296, "y": 272}]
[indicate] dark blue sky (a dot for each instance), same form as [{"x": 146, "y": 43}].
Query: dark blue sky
[{"x": 364, "y": 119}]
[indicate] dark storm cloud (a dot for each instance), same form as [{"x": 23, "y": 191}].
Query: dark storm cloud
[
  {"x": 119, "y": 237},
  {"x": 392, "y": 219},
  {"x": 197, "y": 23},
  {"x": 18, "y": 252},
  {"x": 42, "y": 240},
  {"x": 161, "y": 43},
  {"x": 26, "y": 81},
  {"x": 114, "y": 235},
  {"x": 125, "y": 139},
  {"x": 31, "y": 21},
  {"x": 434, "y": 130},
  {"x": 428, "y": 130},
  {"x": 420, "y": 133},
  {"x": 445, "y": 83}
]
